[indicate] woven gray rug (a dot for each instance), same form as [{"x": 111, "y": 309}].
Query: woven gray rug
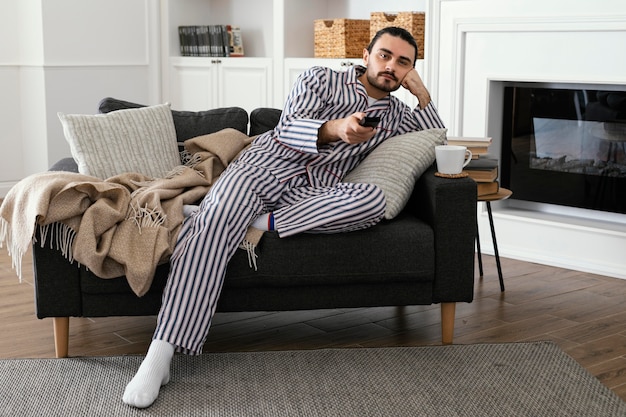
[{"x": 517, "y": 379}]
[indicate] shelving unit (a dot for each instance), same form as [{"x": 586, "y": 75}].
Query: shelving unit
[
  {"x": 255, "y": 17},
  {"x": 278, "y": 41}
]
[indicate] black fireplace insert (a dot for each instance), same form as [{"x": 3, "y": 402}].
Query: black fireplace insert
[{"x": 565, "y": 146}]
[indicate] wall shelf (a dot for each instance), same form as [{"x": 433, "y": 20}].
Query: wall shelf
[{"x": 279, "y": 30}]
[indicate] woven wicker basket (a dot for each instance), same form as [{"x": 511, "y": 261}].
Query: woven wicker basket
[
  {"x": 341, "y": 38},
  {"x": 414, "y": 22}
]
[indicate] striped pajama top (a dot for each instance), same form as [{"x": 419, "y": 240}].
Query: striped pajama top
[{"x": 319, "y": 95}]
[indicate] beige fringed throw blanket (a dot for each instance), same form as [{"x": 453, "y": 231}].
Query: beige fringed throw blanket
[{"x": 124, "y": 225}]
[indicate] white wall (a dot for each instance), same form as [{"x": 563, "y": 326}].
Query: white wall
[
  {"x": 576, "y": 41},
  {"x": 11, "y": 151},
  {"x": 67, "y": 56}
]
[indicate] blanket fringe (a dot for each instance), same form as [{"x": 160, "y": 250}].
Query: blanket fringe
[
  {"x": 176, "y": 171},
  {"x": 173, "y": 173},
  {"x": 250, "y": 247},
  {"x": 60, "y": 237},
  {"x": 191, "y": 160},
  {"x": 146, "y": 217},
  {"x": 15, "y": 252},
  {"x": 185, "y": 156}
]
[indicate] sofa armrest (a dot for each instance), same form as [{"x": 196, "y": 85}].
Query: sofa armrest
[
  {"x": 449, "y": 206},
  {"x": 57, "y": 282}
]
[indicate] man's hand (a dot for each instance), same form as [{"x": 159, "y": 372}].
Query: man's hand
[
  {"x": 347, "y": 129},
  {"x": 413, "y": 82}
]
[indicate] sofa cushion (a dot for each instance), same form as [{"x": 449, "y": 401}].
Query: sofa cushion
[
  {"x": 65, "y": 164},
  {"x": 396, "y": 164},
  {"x": 190, "y": 124},
  {"x": 390, "y": 252},
  {"x": 263, "y": 119},
  {"x": 139, "y": 140}
]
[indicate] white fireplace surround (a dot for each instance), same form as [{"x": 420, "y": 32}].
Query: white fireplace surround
[{"x": 475, "y": 44}]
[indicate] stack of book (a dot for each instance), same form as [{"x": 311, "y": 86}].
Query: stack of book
[
  {"x": 478, "y": 146},
  {"x": 482, "y": 168},
  {"x": 210, "y": 40}
]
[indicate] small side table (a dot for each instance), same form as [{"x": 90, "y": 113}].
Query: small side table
[{"x": 502, "y": 194}]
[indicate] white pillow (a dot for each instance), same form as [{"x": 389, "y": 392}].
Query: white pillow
[
  {"x": 396, "y": 164},
  {"x": 141, "y": 140}
]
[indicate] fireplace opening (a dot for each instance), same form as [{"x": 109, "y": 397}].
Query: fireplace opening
[{"x": 565, "y": 145}]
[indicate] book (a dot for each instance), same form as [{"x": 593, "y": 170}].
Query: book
[
  {"x": 486, "y": 188},
  {"x": 477, "y": 152},
  {"x": 479, "y": 146},
  {"x": 182, "y": 39},
  {"x": 483, "y": 169},
  {"x": 204, "y": 40},
  {"x": 235, "y": 40},
  {"x": 217, "y": 46},
  {"x": 187, "y": 40},
  {"x": 202, "y": 34},
  {"x": 478, "y": 142},
  {"x": 225, "y": 40}
]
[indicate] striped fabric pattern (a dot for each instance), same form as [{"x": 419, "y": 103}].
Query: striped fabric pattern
[
  {"x": 283, "y": 172},
  {"x": 322, "y": 94}
]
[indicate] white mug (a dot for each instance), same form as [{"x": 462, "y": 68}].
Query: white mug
[{"x": 451, "y": 159}]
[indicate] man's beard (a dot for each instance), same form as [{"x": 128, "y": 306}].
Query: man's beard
[{"x": 383, "y": 86}]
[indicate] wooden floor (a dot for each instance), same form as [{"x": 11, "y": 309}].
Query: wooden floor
[{"x": 584, "y": 314}]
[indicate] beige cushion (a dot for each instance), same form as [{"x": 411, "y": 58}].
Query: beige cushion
[
  {"x": 396, "y": 164},
  {"x": 139, "y": 140}
]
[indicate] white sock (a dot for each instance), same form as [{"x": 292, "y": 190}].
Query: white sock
[
  {"x": 264, "y": 222},
  {"x": 153, "y": 372}
]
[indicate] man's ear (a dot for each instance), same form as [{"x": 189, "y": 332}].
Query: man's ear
[{"x": 366, "y": 56}]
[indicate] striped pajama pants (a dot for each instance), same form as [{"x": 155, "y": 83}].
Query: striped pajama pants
[{"x": 210, "y": 237}]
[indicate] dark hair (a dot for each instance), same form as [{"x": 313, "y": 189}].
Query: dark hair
[{"x": 398, "y": 33}]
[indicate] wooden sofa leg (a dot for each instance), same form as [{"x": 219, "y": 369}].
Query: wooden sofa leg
[
  {"x": 447, "y": 322},
  {"x": 61, "y": 336}
]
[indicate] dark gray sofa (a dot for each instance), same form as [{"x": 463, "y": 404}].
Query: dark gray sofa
[{"x": 423, "y": 256}]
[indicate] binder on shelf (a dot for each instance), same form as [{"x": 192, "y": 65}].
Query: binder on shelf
[
  {"x": 202, "y": 34},
  {"x": 182, "y": 41},
  {"x": 188, "y": 42},
  {"x": 225, "y": 41},
  {"x": 205, "y": 41}
]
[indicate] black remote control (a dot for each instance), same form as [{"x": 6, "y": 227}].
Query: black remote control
[{"x": 370, "y": 121}]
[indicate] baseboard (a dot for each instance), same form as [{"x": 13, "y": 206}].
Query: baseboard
[{"x": 561, "y": 242}]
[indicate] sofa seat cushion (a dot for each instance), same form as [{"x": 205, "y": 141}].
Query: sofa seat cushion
[
  {"x": 402, "y": 250},
  {"x": 397, "y": 251}
]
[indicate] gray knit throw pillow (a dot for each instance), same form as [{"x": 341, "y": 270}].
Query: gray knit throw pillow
[
  {"x": 396, "y": 164},
  {"x": 139, "y": 140}
]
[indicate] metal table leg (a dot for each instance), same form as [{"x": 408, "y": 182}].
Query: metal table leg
[
  {"x": 480, "y": 256},
  {"x": 495, "y": 245}
]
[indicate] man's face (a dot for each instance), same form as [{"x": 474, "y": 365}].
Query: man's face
[{"x": 390, "y": 60}]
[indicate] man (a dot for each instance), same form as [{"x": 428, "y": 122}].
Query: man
[{"x": 289, "y": 180}]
